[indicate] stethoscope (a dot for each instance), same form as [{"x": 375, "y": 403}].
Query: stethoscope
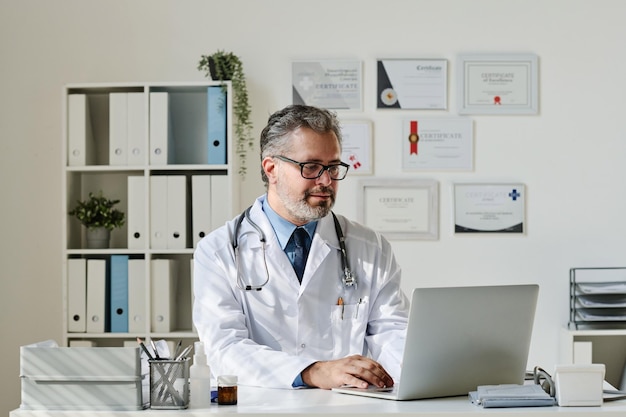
[{"x": 348, "y": 278}]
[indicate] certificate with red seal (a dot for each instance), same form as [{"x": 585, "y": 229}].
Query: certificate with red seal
[
  {"x": 497, "y": 84},
  {"x": 356, "y": 147},
  {"x": 437, "y": 143}
]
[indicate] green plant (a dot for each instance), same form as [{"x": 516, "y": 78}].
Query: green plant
[
  {"x": 224, "y": 66},
  {"x": 97, "y": 211}
]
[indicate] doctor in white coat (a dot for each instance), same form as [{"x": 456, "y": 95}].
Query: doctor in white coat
[{"x": 255, "y": 317}]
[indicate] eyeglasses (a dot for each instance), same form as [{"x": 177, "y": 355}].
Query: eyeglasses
[{"x": 313, "y": 170}]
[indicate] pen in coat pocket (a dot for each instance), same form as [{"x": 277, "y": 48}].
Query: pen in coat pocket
[{"x": 340, "y": 303}]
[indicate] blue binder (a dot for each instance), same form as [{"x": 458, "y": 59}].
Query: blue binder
[
  {"x": 119, "y": 294},
  {"x": 216, "y": 104}
]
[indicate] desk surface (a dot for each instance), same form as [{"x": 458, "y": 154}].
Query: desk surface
[{"x": 313, "y": 402}]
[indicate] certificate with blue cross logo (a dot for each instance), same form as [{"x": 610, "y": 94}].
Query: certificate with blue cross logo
[{"x": 489, "y": 208}]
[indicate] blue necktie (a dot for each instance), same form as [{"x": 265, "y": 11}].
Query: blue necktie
[{"x": 300, "y": 239}]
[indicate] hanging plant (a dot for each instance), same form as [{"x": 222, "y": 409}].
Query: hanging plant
[{"x": 226, "y": 66}]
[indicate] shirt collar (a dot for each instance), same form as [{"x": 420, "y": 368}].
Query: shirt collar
[{"x": 283, "y": 228}]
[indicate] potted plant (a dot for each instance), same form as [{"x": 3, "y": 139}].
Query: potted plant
[
  {"x": 226, "y": 66},
  {"x": 99, "y": 216}
]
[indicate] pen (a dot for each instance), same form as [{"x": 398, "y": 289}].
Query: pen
[
  {"x": 154, "y": 348},
  {"x": 356, "y": 315},
  {"x": 145, "y": 349},
  {"x": 340, "y": 303},
  {"x": 183, "y": 353},
  {"x": 178, "y": 345}
]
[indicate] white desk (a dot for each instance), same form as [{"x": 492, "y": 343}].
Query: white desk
[{"x": 314, "y": 402}]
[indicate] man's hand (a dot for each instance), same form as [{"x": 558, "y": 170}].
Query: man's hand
[{"x": 354, "y": 370}]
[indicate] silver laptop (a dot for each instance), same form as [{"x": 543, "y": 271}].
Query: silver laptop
[{"x": 461, "y": 337}]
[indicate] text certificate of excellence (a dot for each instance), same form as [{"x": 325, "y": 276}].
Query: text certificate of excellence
[
  {"x": 489, "y": 208},
  {"x": 495, "y": 84},
  {"x": 332, "y": 85},
  {"x": 412, "y": 84},
  {"x": 442, "y": 143}
]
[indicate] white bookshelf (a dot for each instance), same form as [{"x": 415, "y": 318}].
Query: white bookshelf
[{"x": 188, "y": 157}]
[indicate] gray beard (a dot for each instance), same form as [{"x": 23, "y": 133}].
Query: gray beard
[{"x": 303, "y": 211}]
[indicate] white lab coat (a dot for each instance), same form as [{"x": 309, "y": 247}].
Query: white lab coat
[{"x": 268, "y": 337}]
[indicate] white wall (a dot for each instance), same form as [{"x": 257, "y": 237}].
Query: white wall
[{"x": 570, "y": 155}]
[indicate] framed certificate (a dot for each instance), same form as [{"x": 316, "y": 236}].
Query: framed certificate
[
  {"x": 497, "y": 84},
  {"x": 400, "y": 208},
  {"x": 334, "y": 85},
  {"x": 489, "y": 208},
  {"x": 437, "y": 143},
  {"x": 357, "y": 146},
  {"x": 412, "y": 84}
]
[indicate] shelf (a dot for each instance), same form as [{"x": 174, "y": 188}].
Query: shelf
[{"x": 148, "y": 146}]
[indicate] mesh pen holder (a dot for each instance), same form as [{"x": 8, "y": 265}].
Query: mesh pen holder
[{"x": 169, "y": 384}]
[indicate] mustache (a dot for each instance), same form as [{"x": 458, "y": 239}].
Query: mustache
[{"x": 321, "y": 190}]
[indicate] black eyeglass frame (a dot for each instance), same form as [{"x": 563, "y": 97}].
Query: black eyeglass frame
[{"x": 321, "y": 172}]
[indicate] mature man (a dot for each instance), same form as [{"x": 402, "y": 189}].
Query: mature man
[{"x": 276, "y": 303}]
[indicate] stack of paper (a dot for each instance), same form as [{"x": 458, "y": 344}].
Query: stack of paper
[{"x": 511, "y": 395}]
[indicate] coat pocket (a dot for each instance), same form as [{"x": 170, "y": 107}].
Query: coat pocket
[{"x": 349, "y": 322}]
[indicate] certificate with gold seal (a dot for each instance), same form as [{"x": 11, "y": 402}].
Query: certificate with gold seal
[{"x": 412, "y": 84}]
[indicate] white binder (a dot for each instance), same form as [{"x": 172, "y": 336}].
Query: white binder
[
  {"x": 137, "y": 296},
  {"x": 80, "y": 149},
  {"x": 118, "y": 128},
  {"x": 158, "y": 212},
  {"x": 136, "y": 212},
  {"x": 96, "y": 295},
  {"x": 193, "y": 295},
  {"x": 136, "y": 132},
  {"x": 176, "y": 212},
  {"x": 76, "y": 295},
  {"x": 161, "y": 153},
  {"x": 221, "y": 198},
  {"x": 200, "y": 206},
  {"x": 163, "y": 293}
]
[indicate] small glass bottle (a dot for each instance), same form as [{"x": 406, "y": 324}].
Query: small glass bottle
[{"x": 227, "y": 389}]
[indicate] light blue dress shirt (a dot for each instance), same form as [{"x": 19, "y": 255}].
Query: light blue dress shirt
[{"x": 284, "y": 229}]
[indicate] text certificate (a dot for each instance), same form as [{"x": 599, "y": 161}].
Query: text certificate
[
  {"x": 498, "y": 84},
  {"x": 328, "y": 84},
  {"x": 412, "y": 84},
  {"x": 356, "y": 148},
  {"x": 443, "y": 143},
  {"x": 489, "y": 208}
]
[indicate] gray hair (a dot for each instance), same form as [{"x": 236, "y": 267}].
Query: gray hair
[{"x": 276, "y": 135}]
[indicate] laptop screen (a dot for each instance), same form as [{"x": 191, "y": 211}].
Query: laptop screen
[{"x": 461, "y": 337}]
